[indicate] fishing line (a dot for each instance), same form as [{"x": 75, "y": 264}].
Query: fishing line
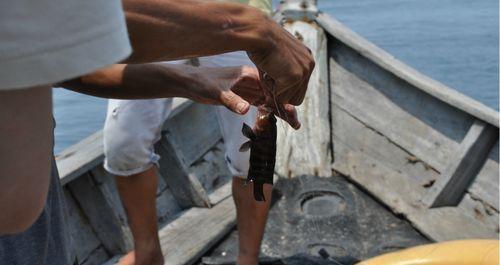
[
  {"x": 272, "y": 91},
  {"x": 316, "y": 226}
]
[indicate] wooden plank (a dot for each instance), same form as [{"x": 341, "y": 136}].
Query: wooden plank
[
  {"x": 80, "y": 158},
  {"x": 166, "y": 205},
  {"x": 407, "y": 116},
  {"x": 485, "y": 187},
  {"x": 308, "y": 150},
  {"x": 80, "y": 229},
  {"x": 211, "y": 170},
  {"x": 463, "y": 166},
  {"x": 186, "y": 188},
  {"x": 399, "y": 193},
  {"x": 221, "y": 193},
  {"x": 105, "y": 182},
  {"x": 193, "y": 132},
  {"x": 403, "y": 71},
  {"x": 357, "y": 136},
  {"x": 186, "y": 239},
  {"x": 99, "y": 212},
  {"x": 377, "y": 165}
]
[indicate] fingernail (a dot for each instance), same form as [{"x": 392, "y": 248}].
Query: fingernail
[{"x": 241, "y": 107}]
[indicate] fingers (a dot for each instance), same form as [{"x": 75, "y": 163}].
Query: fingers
[
  {"x": 293, "y": 118},
  {"x": 234, "y": 102},
  {"x": 248, "y": 86},
  {"x": 288, "y": 113}
]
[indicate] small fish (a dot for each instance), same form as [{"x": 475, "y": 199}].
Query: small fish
[{"x": 262, "y": 145}]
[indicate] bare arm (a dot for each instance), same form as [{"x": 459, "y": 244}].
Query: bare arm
[
  {"x": 234, "y": 87},
  {"x": 173, "y": 29},
  {"x": 25, "y": 156},
  {"x": 160, "y": 80}
]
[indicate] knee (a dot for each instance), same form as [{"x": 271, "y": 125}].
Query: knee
[{"x": 126, "y": 154}]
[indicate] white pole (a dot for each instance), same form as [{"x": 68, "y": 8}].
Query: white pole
[{"x": 308, "y": 150}]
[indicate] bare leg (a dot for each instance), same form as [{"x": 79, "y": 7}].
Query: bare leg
[
  {"x": 251, "y": 220},
  {"x": 138, "y": 194}
]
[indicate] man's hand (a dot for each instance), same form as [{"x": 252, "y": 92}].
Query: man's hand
[
  {"x": 237, "y": 88},
  {"x": 287, "y": 61}
]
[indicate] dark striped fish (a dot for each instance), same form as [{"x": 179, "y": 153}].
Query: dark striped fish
[{"x": 262, "y": 147}]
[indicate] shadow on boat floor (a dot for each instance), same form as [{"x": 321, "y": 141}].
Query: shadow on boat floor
[{"x": 317, "y": 220}]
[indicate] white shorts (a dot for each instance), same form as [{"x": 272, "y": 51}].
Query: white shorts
[{"x": 133, "y": 127}]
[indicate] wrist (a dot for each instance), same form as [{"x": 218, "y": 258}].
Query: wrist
[
  {"x": 265, "y": 29},
  {"x": 251, "y": 28}
]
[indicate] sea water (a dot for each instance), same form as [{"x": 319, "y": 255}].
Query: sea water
[{"x": 452, "y": 41}]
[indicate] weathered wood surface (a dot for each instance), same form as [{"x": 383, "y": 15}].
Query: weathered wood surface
[
  {"x": 412, "y": 119},
  {"x": 382, "y": 168},
  {"x": 308, "y": 151},
  {"x": 194, "y": 132},
  {"x": 105, "y": 182},
  {"x": 405, "y": 72},
  {"x": 350, "y": 132},
  {"x": 186, "y": 239},
  {"x": 99, "y": 212},
  {"x": 485, "y": 187},
  {"x": 82, "y": 233},
  {"x": 166, "y": 204},
  {"x": 221, "y": 193},
  {"x": 188, "y": 190},
  {"x": 463, "y": 166},
  {"x": 395, "y": 138},
  {"x": 211, "y": 169},
  {"x": 80, "y": 158}
]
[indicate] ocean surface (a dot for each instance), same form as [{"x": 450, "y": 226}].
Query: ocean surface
[{"x": 453, "y": 41}]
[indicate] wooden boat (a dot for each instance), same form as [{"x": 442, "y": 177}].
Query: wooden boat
[{"x": 422, "y": 149}]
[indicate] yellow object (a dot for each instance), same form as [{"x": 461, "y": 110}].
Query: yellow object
[
  {"x": 264, "y": 5},
  {"x": 463, "y": 252}
]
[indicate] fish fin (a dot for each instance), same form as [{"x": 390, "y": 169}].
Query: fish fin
[
  {"x": 247, "y": 131},
  {"x": 245, "y": 146}
]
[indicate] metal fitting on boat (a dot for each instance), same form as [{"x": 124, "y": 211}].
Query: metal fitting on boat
[{"x": 293, "y": 10}]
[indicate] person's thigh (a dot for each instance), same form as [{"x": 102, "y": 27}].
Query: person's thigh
[
  {"x": 230, "y": 122},
  {"x": 131, "y": 129}
]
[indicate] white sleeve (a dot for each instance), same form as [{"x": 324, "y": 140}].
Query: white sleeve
[{"x": 47, "y": 41}]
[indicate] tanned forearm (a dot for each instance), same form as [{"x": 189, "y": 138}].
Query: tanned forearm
[
  {"x": 136, "y": 81},
  {"x": 233, "y": 87},
  {"x": 173, "y": 29}
]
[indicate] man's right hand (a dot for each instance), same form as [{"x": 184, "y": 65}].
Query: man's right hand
[{"x": 287, "y": 61}]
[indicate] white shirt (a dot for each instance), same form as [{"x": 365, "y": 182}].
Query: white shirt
[{"x": 47, "y": 41}]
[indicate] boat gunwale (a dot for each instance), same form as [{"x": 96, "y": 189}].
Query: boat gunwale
[{"x": 419, "y": 80}]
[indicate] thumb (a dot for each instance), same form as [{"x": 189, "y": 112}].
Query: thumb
[{"x": 234, "y": 102}]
